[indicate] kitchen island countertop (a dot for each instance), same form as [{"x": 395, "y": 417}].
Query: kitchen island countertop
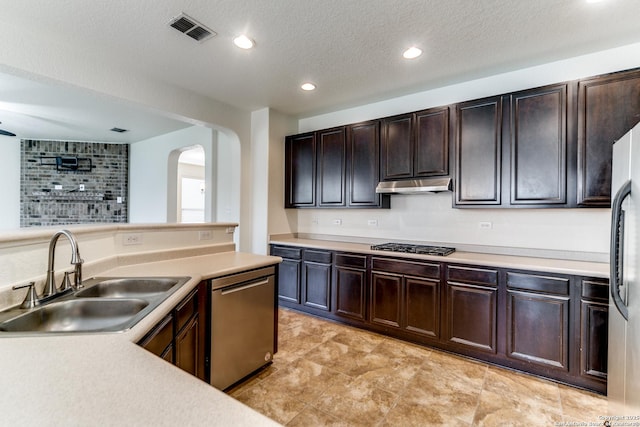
[{"x": 107, "y": 379}]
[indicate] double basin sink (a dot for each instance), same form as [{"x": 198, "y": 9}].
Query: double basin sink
[{"x": 102, "y": 305}]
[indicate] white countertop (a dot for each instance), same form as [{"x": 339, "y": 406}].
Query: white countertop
[
  {"x": 107, "y": 379},
  {"x": 581, "y": 268}
]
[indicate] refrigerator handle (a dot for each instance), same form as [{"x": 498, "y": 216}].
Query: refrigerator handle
[{"x": 617, "y": 244}]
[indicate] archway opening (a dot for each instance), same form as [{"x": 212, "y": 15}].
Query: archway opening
[{"x": 191, "y": 185}]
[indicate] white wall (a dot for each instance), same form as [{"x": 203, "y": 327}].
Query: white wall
[
  {"x": 149, "y": 182},
  {"x": 431, "y": 217},
  {"x": 281, "y": 221},
  {"x": 10, "y": 183}
]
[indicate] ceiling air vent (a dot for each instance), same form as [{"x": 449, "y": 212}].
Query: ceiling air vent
[{"x": 192, "y": 28}]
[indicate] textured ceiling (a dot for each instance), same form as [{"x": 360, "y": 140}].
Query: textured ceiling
[{"x": 351, "y": 49}]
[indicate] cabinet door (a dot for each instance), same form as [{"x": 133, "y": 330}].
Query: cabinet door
[
  {"x": 539, "y": 146},
  {"x": 608, "y": 107},
  {"x": 300, "y": 171},
  {"x": 538, "y": 319},
  {"x": 386, "y": 297},
  {"x": 479, "y": 152},
  {"x": 188, "y": 347},
  {"x": 289, "y": 280},
  {"x": 350, "y": 292},
  {"x": 594, "y": 329},
  {"x": 431, "y": 151},
  {"x": 316, "y": 285},
  {"x": 471, "y": 316},
  {"x": 422, "y": 306},
  {"x": 364, "y": 166},
  {"x": 331, "y": 174},
  {"x": 160, "y": 340},
  {"x": 538, "y": 329},
  {"x": 397, "y": 147}
]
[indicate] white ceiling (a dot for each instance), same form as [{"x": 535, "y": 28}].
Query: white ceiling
[{"x": 351, "y": 49}]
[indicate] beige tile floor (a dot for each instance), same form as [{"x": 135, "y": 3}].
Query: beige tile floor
[{"x": 326, "y": 374}]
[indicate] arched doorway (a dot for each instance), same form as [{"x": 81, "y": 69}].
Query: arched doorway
[{"x": 191, "y": 185}]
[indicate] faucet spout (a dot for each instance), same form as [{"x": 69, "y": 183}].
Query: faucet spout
[{"x": 50, "y": 287}]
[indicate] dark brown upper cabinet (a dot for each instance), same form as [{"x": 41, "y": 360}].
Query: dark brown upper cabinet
[
  {"x": 513, "y": 150},
  {"x": 539, "y": 146},
  {"x": 608, "y": 106},
  {"x": 300, "y": 166},
  {"x": 334, "y": 168},
  {"x": 331, "y": 172},
  {"x": 363, "y": 166},
  {"x": 478, "y": 159},
  {"x": 416, "y": 145}
]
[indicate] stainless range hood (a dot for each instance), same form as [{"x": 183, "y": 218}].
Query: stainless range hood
[{"x": 414, "y": 186}]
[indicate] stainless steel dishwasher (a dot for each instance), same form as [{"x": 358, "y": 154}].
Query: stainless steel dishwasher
[{"x": 243, "y": 325}]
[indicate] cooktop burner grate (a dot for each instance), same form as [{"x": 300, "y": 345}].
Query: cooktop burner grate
[{"x": 414, "y": 249}]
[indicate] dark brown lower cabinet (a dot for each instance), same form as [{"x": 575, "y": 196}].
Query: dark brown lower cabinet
[
  {"x": 288, "y": 274},
  {"x": 316, "y": 279},
  {"x": 180, "y": 337},
  {"x": 594, "y": 330},
  {"x": 422, "y": 306},
  {"x": 386, "y": 299},
  {"x": 406, "y": 295},
  {"x": 547, "y": 324},
  {"x": 538, "y": 310},
  {"x": 350, "y": 286},
  {"x": 472, "y": 308}
]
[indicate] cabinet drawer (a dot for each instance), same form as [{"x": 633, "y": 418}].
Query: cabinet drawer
[
  {"x": 292, "y": 253},
  {"x": 546, "y": 284},
  {"x": 317, "y": 256},
  {"x": 477, "y": 276},
  {"x": 596, "y": 290},
  {"x": 406, "y": 267},
  {"x": 187, "y": 309},
  {"x": 353, "y": 261},
  {"x": 160, "y": 337}
]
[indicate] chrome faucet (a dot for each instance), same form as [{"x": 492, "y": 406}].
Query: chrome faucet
[{"x": 50, "y": 285}]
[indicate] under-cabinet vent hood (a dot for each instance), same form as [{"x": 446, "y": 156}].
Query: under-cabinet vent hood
[{"x": 414, "y": 186}]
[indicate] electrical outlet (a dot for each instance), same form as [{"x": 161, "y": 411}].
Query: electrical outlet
[
  {"x": 205, "y": 235},
  {"x": 372, "y": 222},
  {"x": 230, "y": 230},
  {"x": 81, "y": 187},
  {"x": 314, "y": 220},
  {"x": 132, "y": 239},
  {"x": 118, "y": 199},
  {"x": 485, "y": 225},
  {"x": 337, "y": 221},
  {"x": 57, "y": 187}
]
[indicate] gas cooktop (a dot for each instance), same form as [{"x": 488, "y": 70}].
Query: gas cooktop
[{"x": 414, "y": 249}]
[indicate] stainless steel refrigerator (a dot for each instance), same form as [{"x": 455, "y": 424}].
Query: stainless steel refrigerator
[{"x": 623, "y": 380}]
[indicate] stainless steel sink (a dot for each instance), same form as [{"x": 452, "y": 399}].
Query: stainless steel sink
[
  {"x": 128, "y": 288},
  {"x": 77, "y": 316},
  {"x": 105, "y": 304}
]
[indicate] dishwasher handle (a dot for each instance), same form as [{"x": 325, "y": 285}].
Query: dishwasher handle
[{"x": 242, "y": 286}]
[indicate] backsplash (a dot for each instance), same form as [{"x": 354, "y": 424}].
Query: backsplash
[{"x": 69, "y": 182}]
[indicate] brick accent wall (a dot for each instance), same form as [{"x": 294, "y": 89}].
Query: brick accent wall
[{"x": 41, "y": 204}]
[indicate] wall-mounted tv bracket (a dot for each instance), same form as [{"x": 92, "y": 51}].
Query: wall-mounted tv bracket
[{"x": 64, "y": 164}]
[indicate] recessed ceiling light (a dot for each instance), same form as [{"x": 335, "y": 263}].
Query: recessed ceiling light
[
  {"x": 308, "y": 86},
  {"x": 412, "y": 52},
  {"x": 243, "y": 42}
]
